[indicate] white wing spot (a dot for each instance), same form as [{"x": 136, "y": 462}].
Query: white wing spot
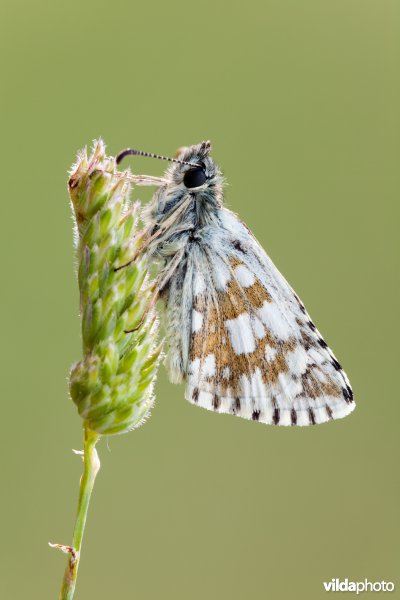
[
  {"x": 270, "y": 353},
  {"x": 208, "y": 367},
  {"x": 244, "y": 276},
  {"x": 281, "y": 325},
  {"x": 197, "y": 321},
  {"x": 297, "y": 360},
  {"x": 221, "y": 274},
  {"x": 241, "y": 334},
  {"x": 258, "y": 328}
]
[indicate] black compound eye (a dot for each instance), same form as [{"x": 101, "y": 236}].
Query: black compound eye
[{"x": 194, "y": 177}]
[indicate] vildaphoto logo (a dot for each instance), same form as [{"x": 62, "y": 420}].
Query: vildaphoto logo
[{"x": 344, "y": 585}]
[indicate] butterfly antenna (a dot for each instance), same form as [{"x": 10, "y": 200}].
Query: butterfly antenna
[{"x": 134, "y": 152}]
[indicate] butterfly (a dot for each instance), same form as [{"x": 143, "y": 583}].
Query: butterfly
[{"x": 236, "y": 332}]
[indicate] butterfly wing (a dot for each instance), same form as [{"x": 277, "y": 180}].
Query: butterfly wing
[{"x": 254, "y": 351}]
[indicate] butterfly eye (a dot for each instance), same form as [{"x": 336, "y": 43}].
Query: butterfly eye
[{"x": 194, "y": 177}]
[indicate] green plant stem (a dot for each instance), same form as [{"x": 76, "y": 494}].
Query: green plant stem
[{"x": 90, "y": 470}]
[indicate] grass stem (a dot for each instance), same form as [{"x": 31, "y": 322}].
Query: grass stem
[{"x": 91, "y": 468}]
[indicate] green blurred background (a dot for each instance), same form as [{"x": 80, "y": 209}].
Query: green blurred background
[{"x": 301, "y": 102}]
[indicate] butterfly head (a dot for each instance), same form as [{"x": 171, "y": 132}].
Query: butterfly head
[
  {"x": 192, "y": 169},
  {"x": 195, "y": 170},
  {"x": 193, "y": 179}
]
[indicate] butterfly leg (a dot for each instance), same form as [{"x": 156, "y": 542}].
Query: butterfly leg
[
  {"x": 159, "y": 285},
  {"x": 136, "y": 255},
  {"x": 160, "y": 231},
  {"x": 149, "y": 307}
]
